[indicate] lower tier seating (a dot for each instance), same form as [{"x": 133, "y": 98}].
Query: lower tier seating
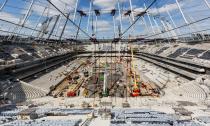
[{"x": 24, "y": 92}]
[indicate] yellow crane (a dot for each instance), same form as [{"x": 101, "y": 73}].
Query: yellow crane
[{"x": 135, "y": 88}]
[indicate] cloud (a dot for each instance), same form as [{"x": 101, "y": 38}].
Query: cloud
[
  {"x": 9, "y": 17},
  {"x": 164, "y": 9},
  {"x": 63, "y": 5},
  {"x": 124, "y": 18},
  {"x": 107, "y": 4},
  {"x": 193, "y": 10},
  {"x": 103, "y": 26},
  {"x": 160, "y": 10}
]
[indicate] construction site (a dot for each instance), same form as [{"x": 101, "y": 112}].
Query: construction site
[{"x": 104, "y": 62}]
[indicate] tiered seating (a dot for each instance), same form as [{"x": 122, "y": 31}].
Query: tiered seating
[
  {"x": 204, "y": 119},
  {"x": 23, "y": 52},
  {"x": 138, "y": 117},
  {"x": 205, "y": 56},
  {"x": 5, "y": 56},
  {"x": 190, "y": 90},
  {"x": 195, "y": 52},
  {"x": 178, "y": 52},
  {"x": 23, "y": 92},
  {"x": 192, "y": 53},
  {"x": 29, "y": 48},
  {"x": 44, "y": 123},
  {"x": 71, "y": 111},
  {"x": 4, "y": 85},
  {"x": 161, "y": 50},
  {"x": 9, "y": 113},
  {"x": 6, "y": 119},
  {"x": 159, "y": 79},
  {"x": 186, "y": 124},
  {"x": 25, "y": 57}
]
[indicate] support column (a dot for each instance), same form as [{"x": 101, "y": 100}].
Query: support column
[
  {"x": 182, "y": 13},
  {"x": 53, "y": 28},
  {"x": 207, "y": 3},
  {"x": 64, "y": 27},
  {"x": 132, "y": 15},
  {"x": 75, "y": 10},
  {"x": 114, "y": 26},
  {"x": 165, "y": 27},
  {"x": 149, "y": 20},
  {"x": 39, "y": 20},
  {"x": 27, "y": 14},
  {"x": 79, "y": 27},
  {"x": 3, "y": 5},
  {"x": 172, "y": 20},
  {"x": 89, "y": 14},
  {"x": 144, "y": 21},
  {"x": 180, "y": 9},
  {"x": 23, "y": 20},
  {"x": 119, "y": 10},
  {"x": 131, "y": 7},
  {"x": 157, "y": 26}
]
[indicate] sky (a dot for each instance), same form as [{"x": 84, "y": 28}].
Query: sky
[{"x": 156, "y": 21}]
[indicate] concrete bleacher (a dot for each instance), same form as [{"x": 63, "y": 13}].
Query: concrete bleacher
[
  {"x": 161, "y": 50},
  {"x": 5, "y": 85},
  {"x": 141, "y": 117},
  {"x": 174, "y": 62},
  {"x": 196, "y": 53},
  {"x": 6, "y": 119},
  {"x": 192, "y": 53},
  {"x": 23, "y": 92},
  {"x": 5, "y": 56},
  {"x": 12, "y": 53},
  {"x": 9, "y": 113},
  {"x": 54, "y": 77},
  {"x": 171, "y": 68},
  {"x": 157, "y": 79},
  {"x": 119, "y": 117},
  {"x": 71, "y": 111},
  {"x": 204, "y": 119},
  {"x": 152, "y": 48},
  {"x": 190, "y": 90},
  {"x": 10, "y": 117},
  {"x": 178, "y": 52},
  {"x": 205, "y": 56},
  {"x": 44, "y": 123}
]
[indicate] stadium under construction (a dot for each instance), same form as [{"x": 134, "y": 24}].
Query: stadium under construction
[{"x": 104, "y": 62}]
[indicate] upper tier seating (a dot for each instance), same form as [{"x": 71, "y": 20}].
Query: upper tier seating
[
  {"x": 178, "y": 52},
  {"x": 161, "y": 50},
  {"x": 195, "y": 52},
  {"x": 206, "y": 55},
  {"x": 9, "y": 54}
]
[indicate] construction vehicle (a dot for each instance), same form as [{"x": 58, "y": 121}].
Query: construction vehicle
[{"x": 74, "y": 88}]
